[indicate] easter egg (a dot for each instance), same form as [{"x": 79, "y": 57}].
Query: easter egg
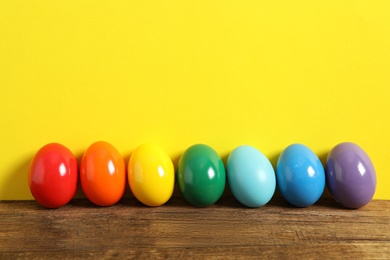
[
  {"x": 350, "y": 175},
  {"x": 151, "y": 175},
  {"x": 251, "y": 176},
  {"x": 300, "y": 176},
  {"x": 201, "y": 175},
  {"x": 102, "y": 174},
  {"x": 53, "y": 176}
]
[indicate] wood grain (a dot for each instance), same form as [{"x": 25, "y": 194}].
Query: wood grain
[{"x": 178, "y": 230}]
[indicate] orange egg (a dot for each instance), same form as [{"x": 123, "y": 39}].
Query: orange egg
[{"x": 102, "y": 174}]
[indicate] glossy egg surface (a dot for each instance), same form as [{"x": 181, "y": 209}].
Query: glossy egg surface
[
  {"x": 151, "y": 175},
  {"x": 251, "y": 176},
  {"x": 53, "y": 175},
  {"x": 300, "y": 176},
  {"x": 201, "y": 175},
  {"x": 350, "y": 175},
  {"x": 102, "y": 174}
]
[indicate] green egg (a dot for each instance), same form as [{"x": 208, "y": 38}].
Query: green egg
[{"x": 201, "y": 175}]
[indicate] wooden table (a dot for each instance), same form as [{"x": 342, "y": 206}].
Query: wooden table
[{"x": 178, "y": 230}]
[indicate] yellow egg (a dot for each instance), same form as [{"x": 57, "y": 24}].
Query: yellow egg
[{"x": 151, "y": 175}]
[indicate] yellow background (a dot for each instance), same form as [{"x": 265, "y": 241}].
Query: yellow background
[{"x": 175, "y": 73}]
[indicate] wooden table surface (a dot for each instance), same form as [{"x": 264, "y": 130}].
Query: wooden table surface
[{"x": 178, "y": 230}]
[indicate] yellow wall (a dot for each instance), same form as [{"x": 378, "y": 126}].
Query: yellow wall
[{"x": 224, "y": 73}]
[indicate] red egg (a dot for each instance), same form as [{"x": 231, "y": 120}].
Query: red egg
[{"x": 53, "y": 176}]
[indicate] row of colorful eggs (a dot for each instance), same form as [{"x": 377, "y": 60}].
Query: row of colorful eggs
[{"x": 201, "y": 175}]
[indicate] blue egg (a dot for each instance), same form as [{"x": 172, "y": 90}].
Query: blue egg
[
  {"x": 251, "y": 176},
  {"x": 300, "y": 176}
]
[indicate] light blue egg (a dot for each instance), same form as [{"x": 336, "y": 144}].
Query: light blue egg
[
  {"x": 251, "y": 176},
  {"x": 300, "y": 176}
]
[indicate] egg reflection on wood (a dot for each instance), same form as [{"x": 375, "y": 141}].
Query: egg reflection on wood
[{"x": 350, "y": 175}]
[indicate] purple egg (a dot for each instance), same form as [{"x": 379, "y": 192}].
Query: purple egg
[{"x": 350, "y": 175}]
